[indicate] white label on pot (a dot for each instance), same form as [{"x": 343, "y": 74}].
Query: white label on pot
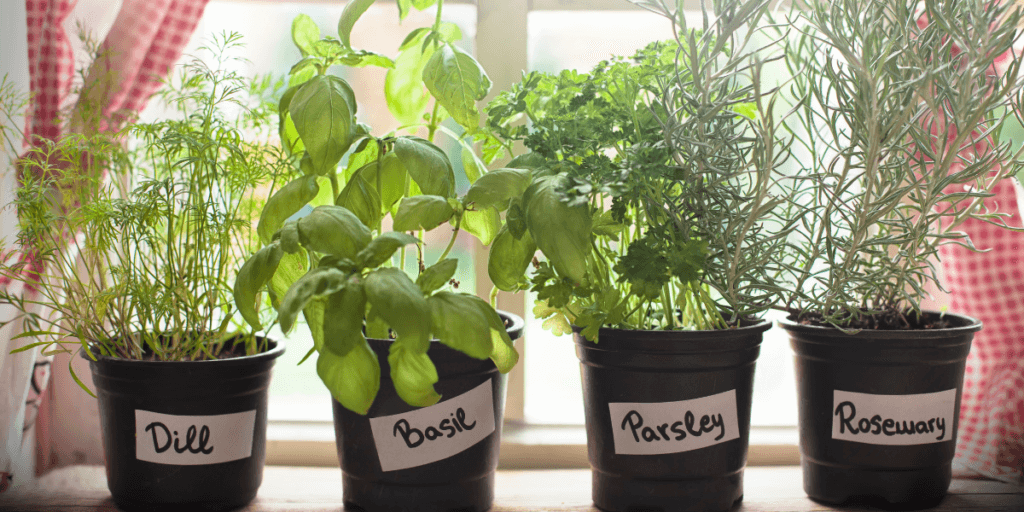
[
  {"x": 673, "y": 427},
  {"x": 893, "y": 419},
  {"x": 193, "y": 440},
  {"x": 434, "y": 433}
]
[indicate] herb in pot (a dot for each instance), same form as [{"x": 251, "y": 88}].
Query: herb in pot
[
  {"x": 337, "y": 265},
  {"x": 899, "y": 113},
  {"x": 657, "y": 196},
  {"x": 139, "y": 263}
]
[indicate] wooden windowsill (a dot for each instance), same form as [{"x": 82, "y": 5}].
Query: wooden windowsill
[{"x": 307, "y": 489}]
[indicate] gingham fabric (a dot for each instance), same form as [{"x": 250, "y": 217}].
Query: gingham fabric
[
  {"x": 146, "y": 39},
  {"x": 990, "y": 287}
]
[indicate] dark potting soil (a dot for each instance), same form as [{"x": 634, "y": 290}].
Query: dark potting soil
[
  {"x": 228, "y": 352},
  {"x": 885, "y": 321}
]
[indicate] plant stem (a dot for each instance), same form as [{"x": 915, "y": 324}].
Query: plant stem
[{"x": 451, "y": 243}]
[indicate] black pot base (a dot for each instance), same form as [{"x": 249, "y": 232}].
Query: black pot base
[
  {"x": 617, "y": 493},
  {"x": 913, "y": 489},
  {"x": 474, "y": 495}
]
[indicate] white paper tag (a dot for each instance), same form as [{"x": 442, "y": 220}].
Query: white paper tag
[
  {"x": 434, "y": 433},
  {"x": 893, "y": 419},
  {"x": 673, "y": 427},
  {"x": 193, "y": 440}
]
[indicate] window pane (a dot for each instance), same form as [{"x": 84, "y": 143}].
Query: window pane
[
  {"x": 561, "y": 40},
  {"x": 296, "y": 393}
]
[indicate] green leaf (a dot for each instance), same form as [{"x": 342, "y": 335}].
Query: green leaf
[
  {"x": 353, "y": 10},
  {"x": 427, "y": 165},
  {"x": 314, "y": 315},
  {"x": 391, "y": 184},
  {"x": 498, "y": 186},
  {"x": 376, "y": 327},
  {"x": 562, "y": 232},
  {"x": 286, "y": 126},
  {"x": 532, "y": 161},
  {"x": 483, "y": 224},
  {"x": 305, "y": 34},
  {"x": 397, "y": 300},
  {"x": 333, "y": 229},
  {"x": 406, "y": 95},
  {"x": 449, "y": 32},
  {"x": 319, "y": 281},
  {"x": 255, "y": 273},
  {"x": 413, "y": 37},
  {"x": 457, "y": 81},
  {"x": 285, "y": 203},
  {"x": 472, "y": 165},
  {"x": 289, "y": 269},
  {"x": 508, "y": 260},
  {"x": 363, "y": 155},
  {"x": 413, "y": 374},
  {"x": 405, "y": 5},
  {"x": 361, "y": 198},
  {"x": 422, "y": 212},
  {"x": 504, "y": 354},
  {"x": 353, "y": 379},
  {"x": 363, "y": 58},
  {"x": 383, "y": 247},
  {"x": 460, "y": 323},
  {"x": 304, "y": 64},
  {"x": 437, "y": 275},
  {"x": 324, "y": 111},
  {"x": 289, "y": 237},
  {"x": 343, "y": 318}
]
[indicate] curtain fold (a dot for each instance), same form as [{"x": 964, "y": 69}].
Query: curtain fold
[{"x": 990, "y": 287}]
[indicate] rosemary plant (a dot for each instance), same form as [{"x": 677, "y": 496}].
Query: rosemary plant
[
  {"x": 674, "y": 156},
  {"x": 900, "y": 111},
  {"x": 137, "y": 262}
]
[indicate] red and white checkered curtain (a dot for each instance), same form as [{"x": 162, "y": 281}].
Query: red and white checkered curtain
[
  {"x": 145, "y": 41},
  {"x": 990, "y": 287}
]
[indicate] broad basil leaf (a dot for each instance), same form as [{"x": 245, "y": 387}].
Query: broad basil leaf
[
  {"x": 483, "y": 224},
  {"x": 457, "y": 81},
  {"x": 289, "y": 237},
  {"x": 324, "y": 112},
  {"x": 498, "y": 186},
  {"x": 413, "y": 374},
  {"x": 397, "y": 300},
  {"x": 314, "y": 315},
  {"x": 363, "y": 155},
  {"x": 383, "y": 247},
  {"x": 562, "y": 232},
  {"x": 532, "y": 161},
  {"x": 422, "y": 212},
  {"x": 343, "y": 318},
  {"x": 460, "y": 323},
  {"x": 255, "y": 273},
  {"x": 505, "y": 355},
  {"x": 363, "y": 58},
  {"x": 286, "y": 127},
  {"x": 333, "y": 229},
  {"x": 391, "y": 183},
  {"x": 305, "y": 34},
  {"x": 407, "y": 97},
  {"x": 437, "y": 275},
  {"x": 289, "y": 270},
  {"x": 353, "y": 10},
  {"x": 285, "y": 203},
  {"x": 353, "y": 379},
  {"x": 427, "y": 165},
  {"x": 319, "y": 281},
  {"x": 509, "y": 259},
  {"x": 472, "y": 165},
  {"x": 361, "y": 198}
]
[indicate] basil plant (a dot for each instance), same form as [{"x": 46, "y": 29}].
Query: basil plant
[{"x": 338, "y": 265}]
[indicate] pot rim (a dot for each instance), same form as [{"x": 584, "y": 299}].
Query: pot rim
[
  {"x": 968, "y": 325},
  {"x": 276, "y": 349},
  {"x": 761, "y": 325}
]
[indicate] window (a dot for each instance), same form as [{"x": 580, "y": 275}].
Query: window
[{"x": 508, "y": 36}]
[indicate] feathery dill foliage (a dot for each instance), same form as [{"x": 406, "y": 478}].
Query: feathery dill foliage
[
  {"x": 899, "y": 116},
  {"x": 144, "y": 254},
  {"x": 674, "y": 152}
]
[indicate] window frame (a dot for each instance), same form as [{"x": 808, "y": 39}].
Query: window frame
[{"x": 501, "y": 46}]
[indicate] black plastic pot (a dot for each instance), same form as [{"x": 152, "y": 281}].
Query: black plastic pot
[
  {"x": 652, "y": 371},
  {"x": 903, "y": 371},
  {"x": 226, "y": 396},
  {"x": 462, "y": 481}
]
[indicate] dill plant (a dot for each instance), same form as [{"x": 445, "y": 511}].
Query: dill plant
[
  {"x": 900, "y": 111},
  {"x": 674, "y": 156},
  {"x": 133, "y": 235}
]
